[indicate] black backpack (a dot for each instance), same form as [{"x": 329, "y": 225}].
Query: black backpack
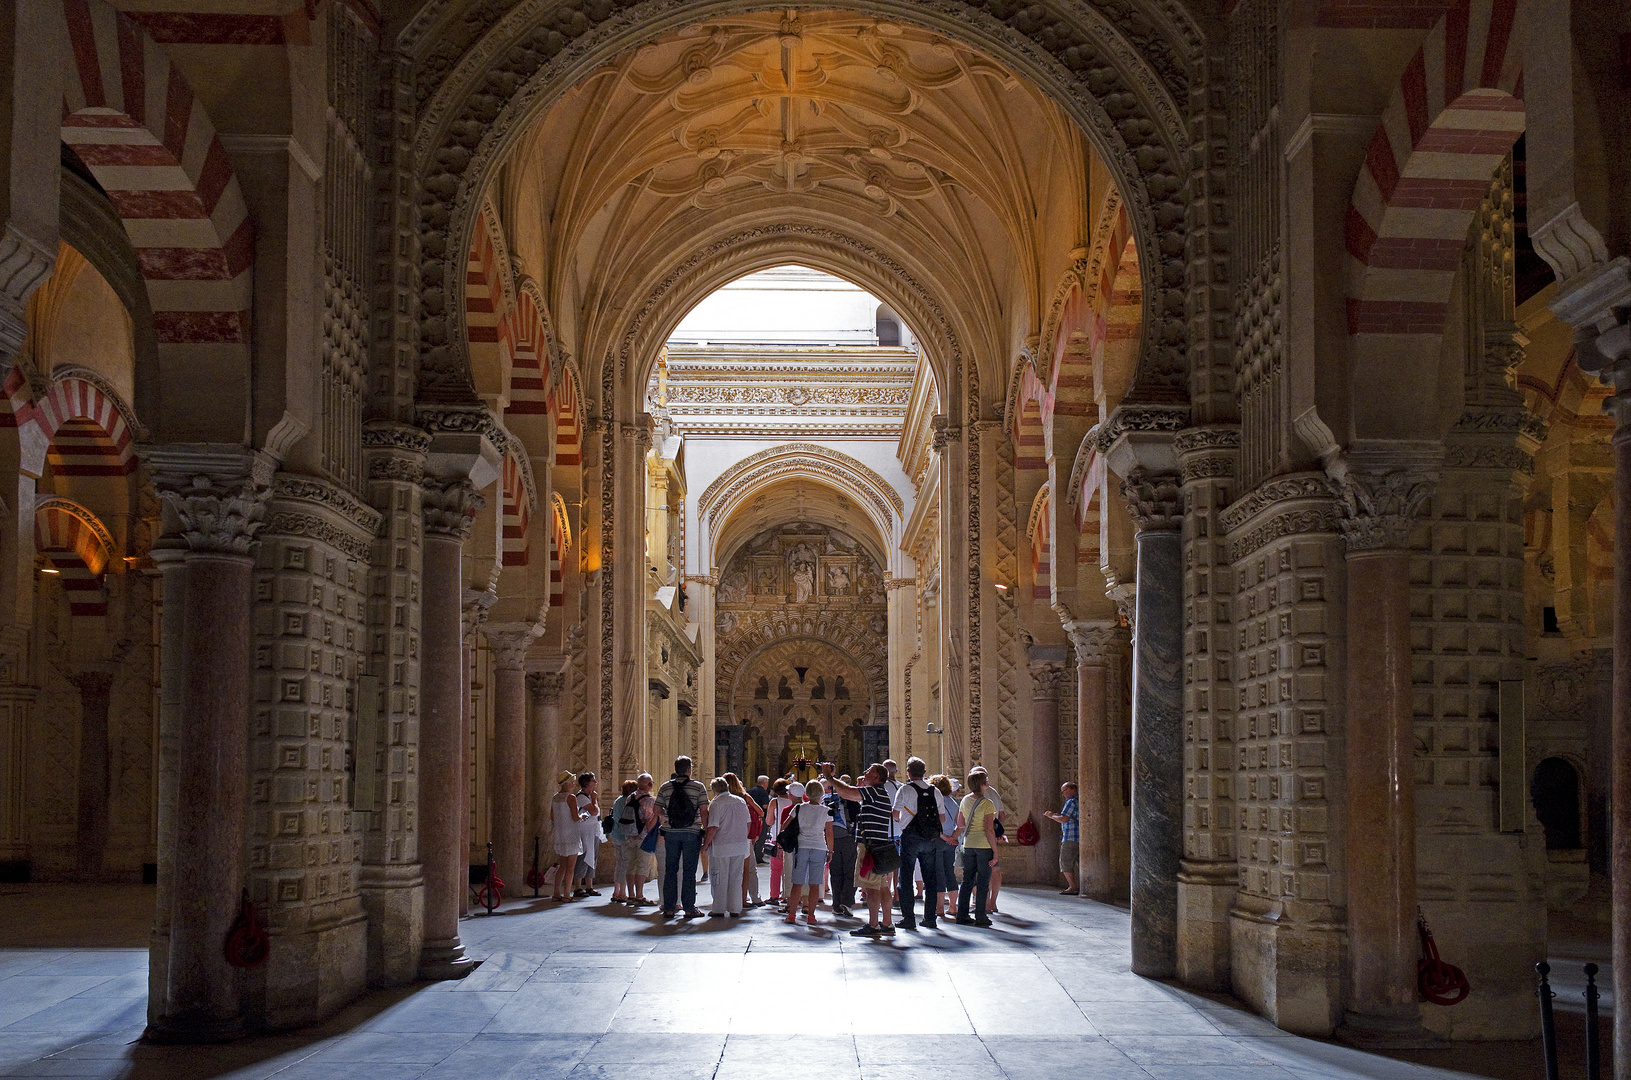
[
  {"x": 925, "y": 824},
  {"x": 682, "y": 812},
  {"x": 788, "y": 838}
]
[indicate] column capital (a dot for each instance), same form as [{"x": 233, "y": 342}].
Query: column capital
[
  {"x": 1597, "y": 303},
  {"x": 1154, "y": 500},
  {"x": 450, "y": 506},
  {"x": 394, "y": 451},
  {"x": 547, "y": 686},
  {"x": 710, "y": 580},
  {"x": 1093, "y": 641},
  {"x": 509, "y": 642},
  {"x": 1046, "y": 677},
  {"x": 473, "y": 612},
  {"x": 219, "y": 492},
  {"x": 1381, "y": 489},
  {"x": 891, "y": 583},
  {"x": 943, "y": 431}
]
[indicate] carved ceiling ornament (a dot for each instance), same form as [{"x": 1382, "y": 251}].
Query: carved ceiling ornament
[{"x": 1139, "y": 52}]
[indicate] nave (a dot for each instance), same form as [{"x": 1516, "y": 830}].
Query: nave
[{"x": 593, "y": 990}]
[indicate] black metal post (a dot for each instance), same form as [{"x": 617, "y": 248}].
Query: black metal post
[
  {"x": 1594, "y": 1064},
  {"x": 1548, "y": 1029}
]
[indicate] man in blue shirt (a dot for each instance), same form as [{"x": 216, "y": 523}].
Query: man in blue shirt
[
  {"x": 1070, "y": 829},
  {"x": 844, "y": 815}
]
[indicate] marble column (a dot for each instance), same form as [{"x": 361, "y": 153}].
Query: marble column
[
  {"x": 95, "y": 688},
  {"x": 959, "y": 500},
  {"x": 1092, "y": 642},
  {"x": 546, "y": 764},
  {"x": 508, "y": 776},
  {"x": 219, "y": 501},
  {"x": 629, "y": 724},
  {"x": 1595, "y": 300},
  {"x": 1380, "y": 834},
  {"x": 1047, "y": 669},
  {"x": 1158, "y": 721},
  {"x": 449, "y": 509},
  {"x": 171, "y": 556}
]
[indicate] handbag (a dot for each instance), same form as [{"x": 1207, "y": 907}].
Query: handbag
[
  {"x": 885, "y": 859},
  {"x": 649, "y": 844},
  {"x": 788, "y": 838}
]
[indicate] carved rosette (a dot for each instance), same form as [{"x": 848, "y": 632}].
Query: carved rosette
[
  {"x": 547, "y": 687},
  {"x": 1046, "y": 677},
  {"x": 1378, "y": 508},
  {"x": 450, "y": 506},
  {"x": 1154, "y": 500}
]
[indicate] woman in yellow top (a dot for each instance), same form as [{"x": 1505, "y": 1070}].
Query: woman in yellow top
[{"x": 975, "y": 828}]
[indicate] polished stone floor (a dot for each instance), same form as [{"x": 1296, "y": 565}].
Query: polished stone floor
[{"x": 593, "y": 990}]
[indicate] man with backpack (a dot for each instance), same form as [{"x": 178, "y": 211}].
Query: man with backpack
[
  {"x": 917, "y": 810},
  {"x": 682, "y": 808}
]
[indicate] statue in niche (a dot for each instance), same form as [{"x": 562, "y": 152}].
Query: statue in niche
[
  {"x": 803, "y": 582},
  {"x": 762, "y": 691},
  {"x": 783, "y": 691},
  {"x": 734, "y": 589},
  {"x": 818, "y": 692},
  {"x": 840, "y": 692},
  {"x": 838, "y": 582},
  {"x": 879, "y": 624},
  {"x": 728, "y": 623}
]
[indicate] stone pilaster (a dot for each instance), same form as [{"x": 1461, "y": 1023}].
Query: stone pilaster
[
  {"x": 548, "y": 752},
  {"x": 1209, "y": 877},
  {"x": 217, "y": 495},
  {"x": 1047, "y": 673},
  {"x": 962, "y": 734},
  {"x": 391, "y": 879},
  {"x": 1095, "y": 642},
  {"x": 626, "y": 723}
]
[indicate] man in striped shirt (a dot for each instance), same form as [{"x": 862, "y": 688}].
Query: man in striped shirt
[{"x": 874, "y": 830}]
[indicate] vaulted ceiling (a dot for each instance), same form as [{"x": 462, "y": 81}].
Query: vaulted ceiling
[{"x": 967, "y": 176}]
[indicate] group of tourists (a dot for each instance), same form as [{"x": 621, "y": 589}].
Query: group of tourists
[{"x": 896, "y": 841}]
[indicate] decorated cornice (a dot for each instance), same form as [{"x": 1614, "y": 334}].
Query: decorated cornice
[
  {"x": 313, "y": 508},
  {"x": 1131, "y": 419}
]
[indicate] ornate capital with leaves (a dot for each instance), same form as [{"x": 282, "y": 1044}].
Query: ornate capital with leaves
[
  {"x": 1154, "y": 500},
  {"x": 1379, "y": 506},
  {"x": 219, "y": 493},
  {"x": 450, "y": 506}
]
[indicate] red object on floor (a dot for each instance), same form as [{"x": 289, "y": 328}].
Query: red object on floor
[{"x": 1439, "y": 982}]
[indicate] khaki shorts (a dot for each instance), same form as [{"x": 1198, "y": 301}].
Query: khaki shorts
[{"x": 1070, "y": 856}]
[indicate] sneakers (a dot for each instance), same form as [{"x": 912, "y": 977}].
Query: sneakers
[
  {"x": 886, "y": 931},
  {"x": 841, "y": 910},
  {"x": 908, "y": 925},
  {"x": 865, "y": 931}
]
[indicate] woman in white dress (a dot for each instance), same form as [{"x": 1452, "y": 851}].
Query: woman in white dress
[
  {"x": 568, "y": 837},
  {"x": 588, "y": 797}
]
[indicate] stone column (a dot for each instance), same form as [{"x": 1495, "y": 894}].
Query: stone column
[
  {"x": 958, "y": 501},
  {"x": 903, "y": 740},
  {"x": 220, "y": 501},
  {"x": 508, "y": 777},
  {"x": 1158, "y": 720},
  {"x": 450, "y": 506},
  {"x": 1595, "y": 300},
  {"x": 1047, "y": 669},
  {"x": 171, "y": 557},
  {"x": 1092, "y": 641},
  {"x": 628, "y": 629},
  {"x": 1380, "y": 837},
  {"x": 95, "y": 687},
  {"x": 546, "y": 688}
]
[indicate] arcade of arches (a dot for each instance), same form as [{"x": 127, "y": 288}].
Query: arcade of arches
[{"x": 1211, "y": 403}]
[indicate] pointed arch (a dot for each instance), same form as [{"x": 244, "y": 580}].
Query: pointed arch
[
  {"x": 516, "y": 512},
  {"x": 77, "y": 545},
  {"x": 566, "y": 406}
]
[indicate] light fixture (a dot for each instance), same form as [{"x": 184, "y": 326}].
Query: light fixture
[
  {"x": 1000, "y": 587},
  {"x": 49, "y": 570}
]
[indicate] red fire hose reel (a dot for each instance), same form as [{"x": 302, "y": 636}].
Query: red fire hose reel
[{"x": 1439, "y": 982}]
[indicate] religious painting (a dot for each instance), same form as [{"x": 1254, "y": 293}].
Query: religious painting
[
  {"x": 767, "y": 576},
  {"x": 838, "y": 577}
]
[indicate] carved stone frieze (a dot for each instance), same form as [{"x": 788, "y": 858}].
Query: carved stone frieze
[
  {"x": 1285, "y": 506},
  {"x": 1207, "y": 453},
  {"x": 1130, "y": 419},
  {"x": 450, "y": 507},
  {"x": 394, "y": 451},
  {"x": 1154, "y": 500}
]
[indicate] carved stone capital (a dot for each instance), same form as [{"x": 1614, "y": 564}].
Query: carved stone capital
[
  {"x": 509, "y": 642},
  {"x": 1154, "y": 500},
  {"x": 942, "y": 432},
  {"x": 1598, "y": 306},
  {"x": 450, "y": 506},
  {"x": 218, "y": 493},
  {"x": 1093, "y": 641},
  {"x": 639, "y": 433},
  {"x": 24, "y": 265},
  {"x": 1381, "y": 492},
  {"x": 473, "y": 612},
  {"x": 1046, "y": 677},
  {"x": 547, "y": 686}
]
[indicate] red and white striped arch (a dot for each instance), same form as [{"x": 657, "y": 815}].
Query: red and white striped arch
[
  {"x": 560, "y": 542},
  {"x": 134, "y": 121},
  {"x": 1038, "y": 531},
  {"x": 566, "y": 408},
  {"x": 516, "y": 513},
  {"x": 529, "y": 358},
  {"x": 484, "y": 304},
  {"x": 73, "y": 542},
  {"x": 1450, "y": 122},
  {"x": 87, "y": 431}
]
